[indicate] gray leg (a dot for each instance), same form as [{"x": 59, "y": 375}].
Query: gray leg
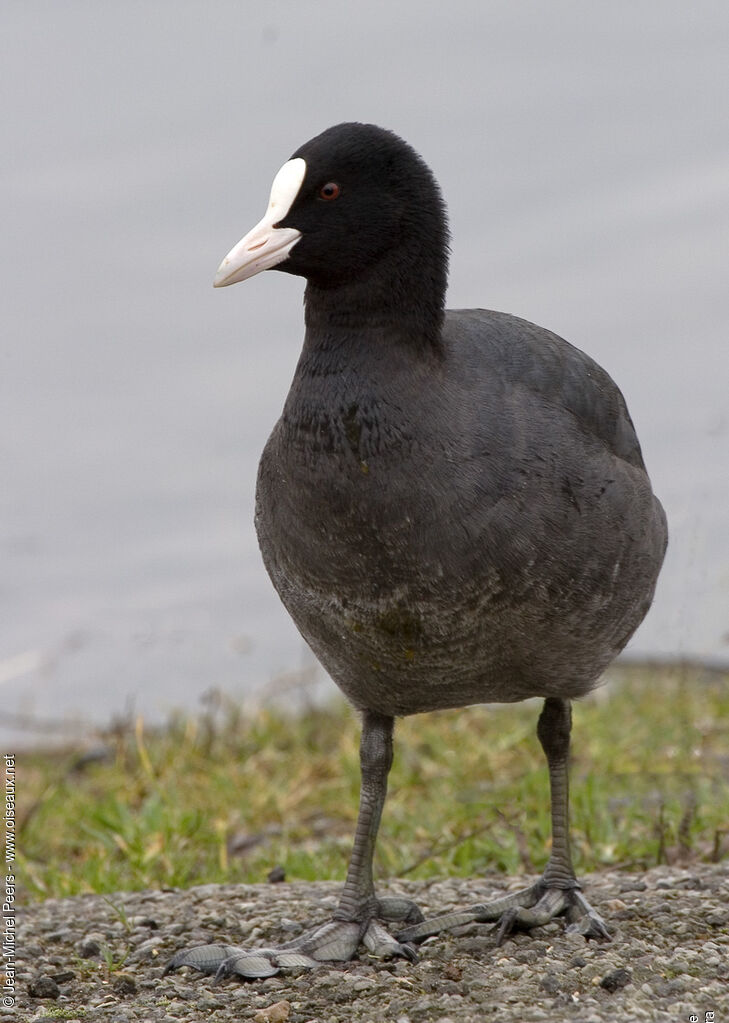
[
  {"x": 354, "y": 920},
  {"x": 375, "y": 760},
  {"x": 553, "y": 731},
  {"x": 558, "y": 891},
  {"x": 358, "y": 904}
]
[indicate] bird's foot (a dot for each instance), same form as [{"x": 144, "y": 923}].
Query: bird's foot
[
  {"x": 532, "y": 907},
  {"x": 335, "y": 941}
]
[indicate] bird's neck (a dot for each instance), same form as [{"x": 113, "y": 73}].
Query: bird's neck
[
  {"x": 362, "y": 351},
  {"x": 398, "y": 306}
]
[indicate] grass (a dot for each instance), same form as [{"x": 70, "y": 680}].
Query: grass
[{"x": 228, "y": 796}]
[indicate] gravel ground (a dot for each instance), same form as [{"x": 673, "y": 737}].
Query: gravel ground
[{"x": 669, "y": 959}]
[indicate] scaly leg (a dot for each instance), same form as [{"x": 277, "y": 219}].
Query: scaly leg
[
  {"x": 355, "y": 920},
  {"x": 558, "y": 891}
]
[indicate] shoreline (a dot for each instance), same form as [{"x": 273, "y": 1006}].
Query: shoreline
[{"x": 308, "y": 689}]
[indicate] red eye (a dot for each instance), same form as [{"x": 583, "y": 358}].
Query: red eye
[{"x": 329, "y": 191}]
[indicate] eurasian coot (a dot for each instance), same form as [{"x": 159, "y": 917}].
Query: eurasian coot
[{"x": 453, "y": 508}]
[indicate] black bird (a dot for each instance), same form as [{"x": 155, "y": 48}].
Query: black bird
[{"x": 453, "y": 508}]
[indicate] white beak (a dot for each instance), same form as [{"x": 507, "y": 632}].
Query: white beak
[{"x": 266, "y": 245}]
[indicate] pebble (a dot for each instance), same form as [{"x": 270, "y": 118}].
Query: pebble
[
  {"x": 616, "y": 979},
  {"x": 676, "y": 959},
  {"x": 550, "y": 984},
  {"x": 148, "y": 949},
  {"x": 276, "y": 1013},
  {"x": 124, "y": 985},
  {"x": 43, "y": 987},
  {"x": 89, "y": 947}
]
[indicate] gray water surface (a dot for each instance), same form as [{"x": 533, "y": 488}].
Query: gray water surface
[{"x": 584, "y": 153}]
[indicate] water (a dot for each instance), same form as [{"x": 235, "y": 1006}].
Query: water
[{"x": 584, "y": 155}]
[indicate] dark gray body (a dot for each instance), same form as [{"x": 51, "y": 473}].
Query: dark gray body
[
  {"x": 469, "y": 526},
  {"x": 453, "y": 507}
]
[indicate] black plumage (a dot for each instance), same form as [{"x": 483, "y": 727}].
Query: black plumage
[{"x": 453, "y": 505}]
